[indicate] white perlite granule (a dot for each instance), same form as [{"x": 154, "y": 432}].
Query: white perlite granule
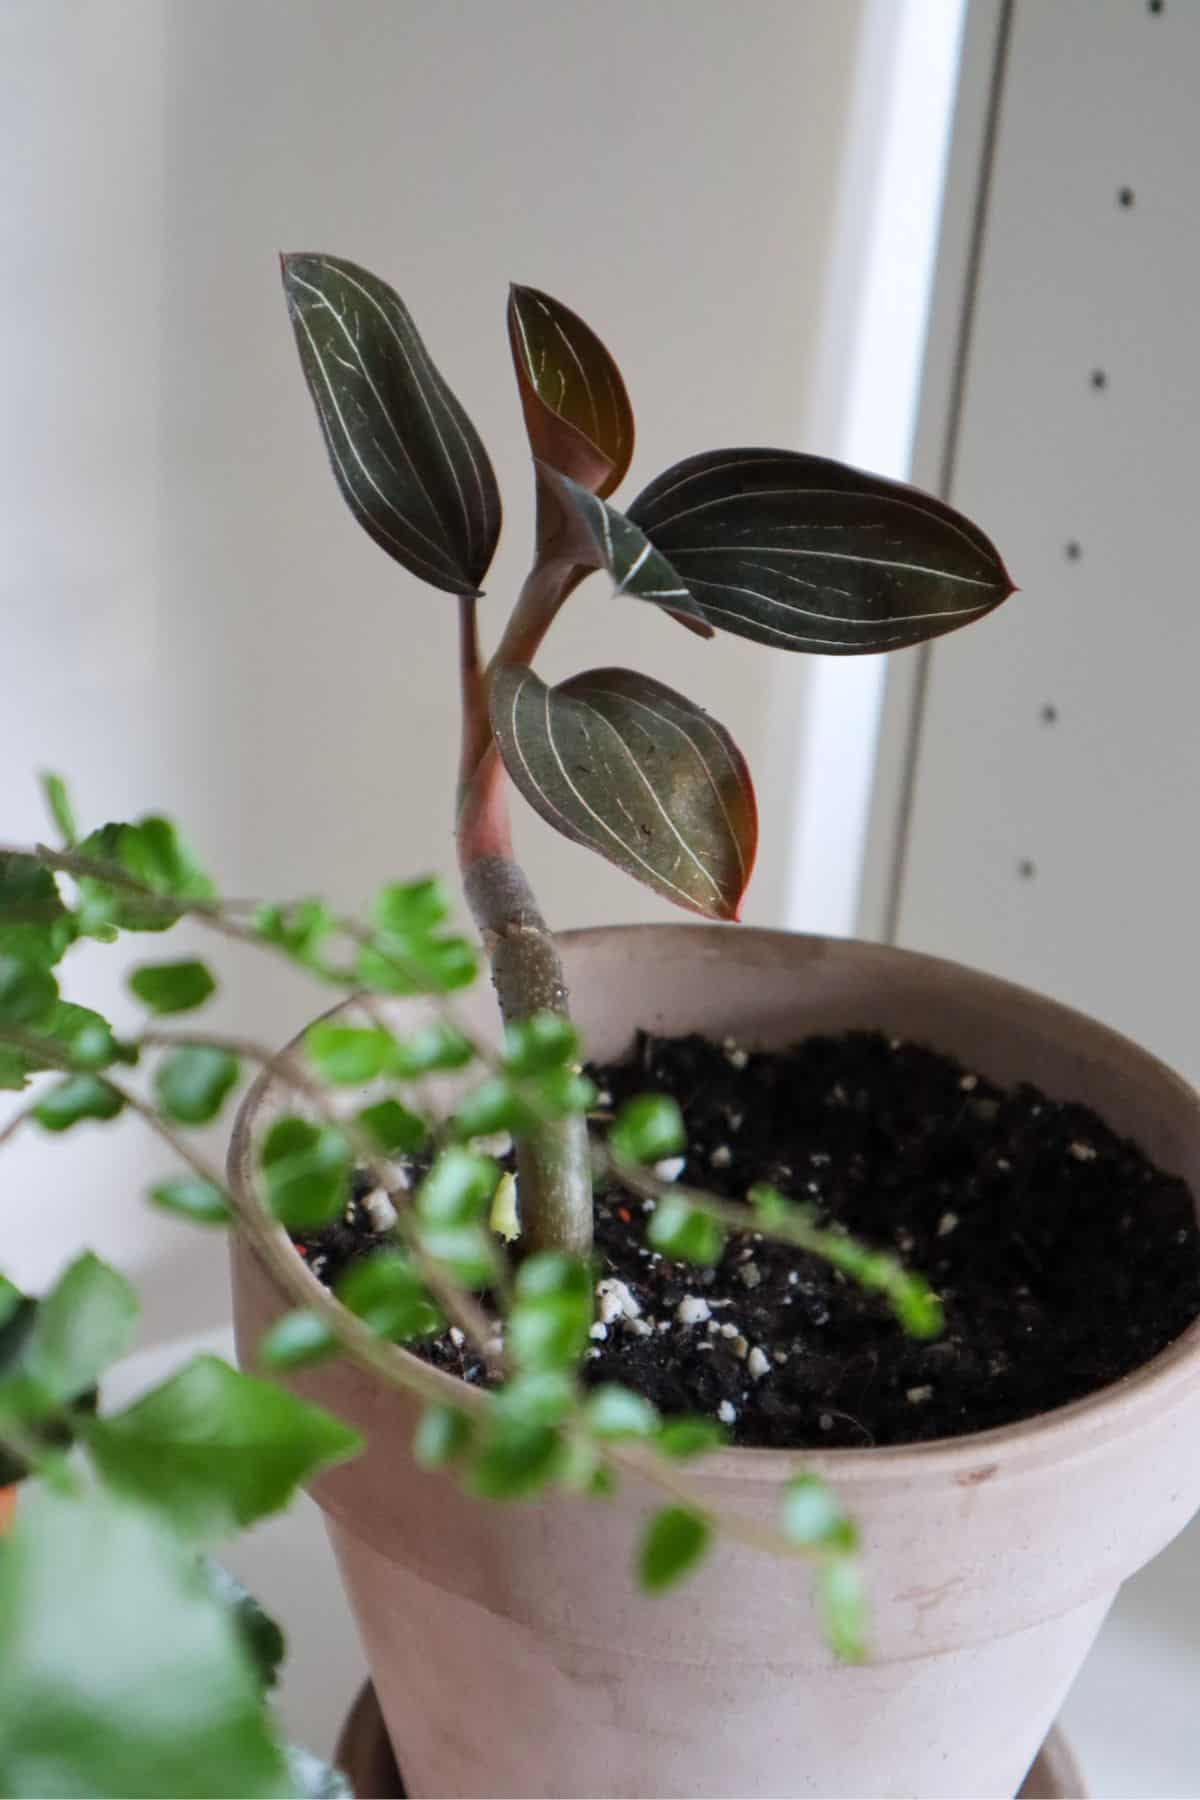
[
  {"x": 727, "y": 1412},
  {"x": 614, "y": 1301},
  {"x": 670, "y": 1168},
  {"x": 692, "y": 1310},
  {"x": 757, "y": 1363}
]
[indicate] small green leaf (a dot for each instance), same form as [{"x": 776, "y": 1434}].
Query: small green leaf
[
  {"x": 540, "y": 1043},
  {"x": 517, "y": 1460},
  {"x": 306, "y": 1168},
  {"x": 685, "y": 1233},
  {"x": 646, "y": 1129},
  {"x": 466, "y": 1252},
  {"x": 34, "y": 923},
  {"x": 192, "y": 1083},
  {"x": 400, "y": 965},
  {"x": 86, "y": 1036},
  {"x": 672, "y": 1544},
  {"x": 434, "y": 1048},
  {"x": 348, "y": 1055},
  {"x": 458, "y": 1188},
  {"x": 495, "y": 1105},
  {"x": 386, "y": 1292},
  {"x": 28, "y": 991},
  {"x": 214, "y": 1449},
  {"x": 810, "y": 1516},
  {"x": 842, "y": 1606},
  {"x": 77, "y": 1098},
  {"x": 560, "y": 1092},
  {"x": 551, "y": 1313},
  {"x": 153, "y": 853},
  {"x": 411, "y": 908},
  {"x": 392, "y": 1129},
  {"x": 685, "y": 1437},
  {"x": 123, "y": 1672},
  {"x": 535, "y": 1397},
  {"x": 172, "y": 987},
  {"x": 295, "y": 1340},
  {"x": 58, "y": 804},
  {"x": 83, "y": 1324},
  {"x": 191, "y": 1197},
  {"x": 443, "y": 1435},
  {"x": 298, "y": 929},
  {"x": 618, "y": 1412}
]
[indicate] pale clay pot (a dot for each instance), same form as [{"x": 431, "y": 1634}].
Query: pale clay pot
[{"x": 510, "y": 1650}]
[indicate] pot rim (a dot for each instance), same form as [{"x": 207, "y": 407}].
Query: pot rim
[{"x": 1065, "y": 1433}]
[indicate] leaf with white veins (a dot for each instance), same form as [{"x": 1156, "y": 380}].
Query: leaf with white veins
[
  {"x": 577, "y": 413},
  {"x": 638, "y": 773},
  {"x": 407, "y": 458},
  {"x": 596, "y": 535},
  {"x": 803, "y": 553}
]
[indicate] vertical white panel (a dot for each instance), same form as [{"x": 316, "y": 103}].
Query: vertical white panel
[{"x": 1052, "y": 833}]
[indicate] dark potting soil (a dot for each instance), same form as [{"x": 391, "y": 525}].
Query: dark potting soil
[{"x": 1063, "y": 1258}]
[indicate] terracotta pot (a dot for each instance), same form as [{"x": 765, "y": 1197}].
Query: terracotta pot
[{"x": 510, "y": 1650}]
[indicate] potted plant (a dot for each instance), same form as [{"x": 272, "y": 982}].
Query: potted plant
[{"x": 702, "y": 1310}]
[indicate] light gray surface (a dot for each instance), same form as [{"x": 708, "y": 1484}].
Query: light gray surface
[{"x": 1098, "y": 95}]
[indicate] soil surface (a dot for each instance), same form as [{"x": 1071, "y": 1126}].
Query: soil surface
[{"x": 1062, "y": 1257}]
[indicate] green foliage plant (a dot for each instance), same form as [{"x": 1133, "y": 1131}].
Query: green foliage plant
[{"x": 793, "y": 551}]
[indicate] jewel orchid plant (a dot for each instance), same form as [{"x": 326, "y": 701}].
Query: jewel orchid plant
[
  {"x": 131, "y": 1667},
  {"x": 792, "y": 551}
]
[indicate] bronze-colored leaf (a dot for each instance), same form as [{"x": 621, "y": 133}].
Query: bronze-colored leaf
[
  {"x": 638, "y": 773},
  {"x": 577, "y": 413},
  {"x": 408, "y": 460},
  {"x": 807, "y": 554}
]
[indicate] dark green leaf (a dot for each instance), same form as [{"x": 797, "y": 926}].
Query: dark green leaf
[
  {"x": 802, "y": 553},
  {"x": 307, "y": 1172},
  {"x": 458, "y": 1188},
  {"x": 295, "y": 1340},
  {"x": 28, "y": 991},
  {"x": 259, "y": 1633},
  {"x": 151, "y": 852},
  {"x": 535, "y": 1045},
  {"x": 124, "y": 1674},
  {"x": 58, "y": 803},
  {"x": 577, "y": 413},
  {"x": 34, "y": 923},
  {"x": 443, "y": 1435},
  {"x": 77, "y": 1098},
  {"x": 810, "y": 1516},
  {"x": 672, "y": 1544},
  {"x": 385, "y": 1291},
  {"x": 618, "y": 1412},
  {"x": 192, "y": 1084},
  {"x": 86, "y": 1037},
  {"x": 409, "y": 462},
  {"x": 392, "y": 1129},
  {"x": 203, "y": 1202},
  {"x": 683, "y": 1438},
  {"x": 83, "y": 1324},
  {"x": 684, "y": 1232},
  {"x": 636, "y": 772},
  {"x": 842, "y": 1605},
  {"x": 215, "y": 1449},
  {"x": 647, "y": 1128},
  {"x": 172, "y": 987},
  {"x": 348, "y": 1055}
]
